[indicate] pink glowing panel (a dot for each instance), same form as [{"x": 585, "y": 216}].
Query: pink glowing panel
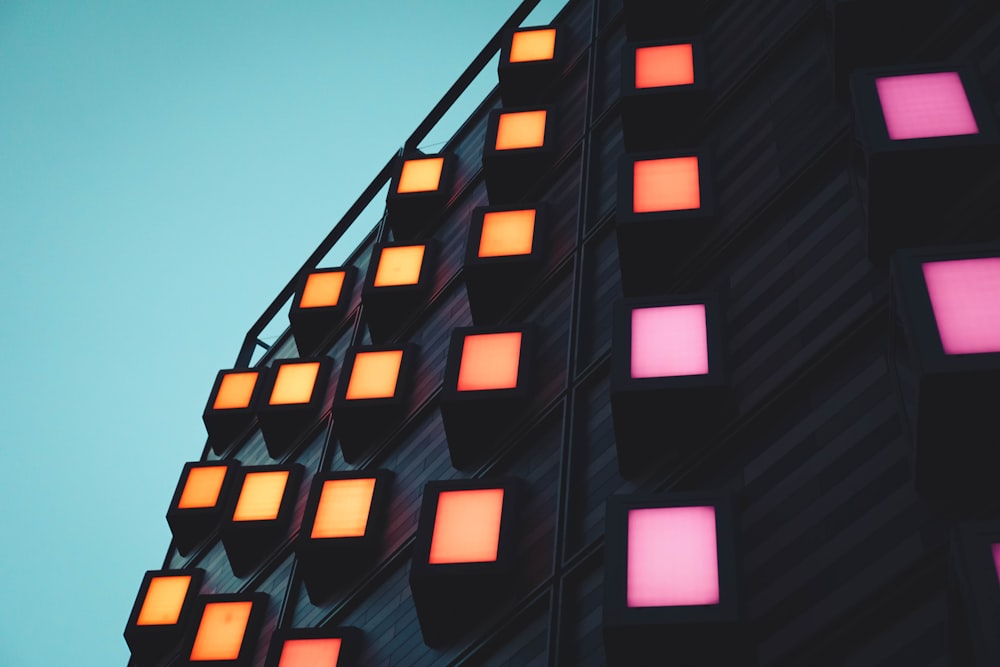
[
  {"x": 925, "y": 105},
  {"x": 669, "y": 341},
  {"x": 965, "y": 297},
  {"x": 996, "y": 559},
  {"x": 673, "y": 558}
]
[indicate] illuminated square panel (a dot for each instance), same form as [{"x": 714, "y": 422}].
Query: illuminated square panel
[
  {"x": 322, "y": 290},
  {"x": 235, "y": 390},
  {"x": 260, "y": 513},
  {"x": 199, "y": 502},
  {"x": 669, "y": 341},
  {"x": 666, "y": 65},
  {"x": 322, "y": 300},
  {"x": 917, "y": 106},
  {"x": 261, "y": 496},
  {"x": 467, "y": 526},
  {"x": 231, "y": 406},
  {"x": 294, "y": 383},
  {"x": 314, "y": 647},
  {"x": 343, "y": 509},
  {"x": 532, "y": 60},
  {"x": 965, "y": 297},
  {"x": 163, "y": 609},
  {"x": 374, "y": 374},
  {"x": 533, "y": 45},
  {"x": 202, "y": 487},
  {"x": 672, "y": 557},
  {"x": 418, "y": 192},
  {"x": 507, "y": 233},
  {"x": 520, "y": 129},
  {"x": 399, "y": 265},
  {"x": 490, "y": 361},
  {"x": 227, "y": 629},
  {"x": 164, "y": 600},
  {"x": 518, "y": 151},
  {"x": 296, "y": 391},
  {"x": 668, "y": 184},
  {"x": 420, "y": 175},
  {"x": 310, "y": 652}
]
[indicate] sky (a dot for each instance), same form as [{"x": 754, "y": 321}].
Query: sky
[{"x": 165, "y": 168}]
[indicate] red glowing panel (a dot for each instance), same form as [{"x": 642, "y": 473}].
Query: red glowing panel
[
  {"x": 399, "y": 265},
  {"x": 533, "y": 45},
  {"x": 673, "y": 558},
  {"x": 916, "y": 106},
  {"x": 669, "y": 341},
  {"x": 374, "y": 375},
  {"x": 660, "y": 66},
  {"x": 996, "y": 559},
  {"x": 235, "y": 391},
  {"x": 294, "y": 383},
  {"x": 220, "y": 633},
  {"x": 489, "y": 361},
  {"x": 668, "y": 184},
  {"x": 521, "y": 129},
  {"x": 310, "y": 652},
  {"x": 164, "y": 600},
  {"x": 322, "y": 289},
  {"x": 507, "y": 233},
  {"x": 965, "y": 297},
  {"x": 260, "y": 497},
  {"x": 343, "y": 509},
  {"x": 467, "y": 526},
  {"x": 423, "y": 175},
  {"x": 202, "y": 487}
]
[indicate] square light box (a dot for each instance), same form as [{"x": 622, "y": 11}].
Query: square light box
[
  {"x": 922, "y": 134},
  {"x": 464, "y": 554},
  {"x": 260, "y": 513},
  {"x": 199, "y": 502},
  {"x": 231, "y": 407},
  {"x": 486, "y": 385},
  {"x": 418, "y": 193},
  {"x": 974, "y": 593},
  {"x": 322, "y": 299},
  {"x": 503, "y": 257},
  {"x": 228, "y": 629},
  {"x": 162, "y": 612},
  {"x": 665, "y": 208},
  {"x": 520, "y": 148},
  {"x": 531, "y": 62},
  {"x": 671, "y": 585},
  {"x": 669, "y": 383},
  {"x": 397, "y": 285},
  {"x": 372, "y": 395},
  {"x": 665, "y": 93},
  {"x": 315, "y": 647},
  {"x": 342, "y": 529},
  {"x": 293, "y": 399},
  {"x": 948, "y": 323}
]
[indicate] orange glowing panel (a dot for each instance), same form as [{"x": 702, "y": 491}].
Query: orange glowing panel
[
  {"x": 374, "y": 375},
  {"x": 668, "y": 184},
  {"x": 533, "y": 45},
  {"x": 220, "y": 633},
  {"x": 421, "y": 175},
  {"x": 202, "y": 487},
  {"x": 310, "y": 652},
  {"x": 260, "y": 497},
  {"x": 235, "y": 391},
  {"x": 507, "y": 233},
  {"x": 343, "y": 509},
  {"x": 660, "y": 66},
  {"x": 467, "y": 526},
  {"x": 164, "y": 600},
  {"x": 521, "y": 129},
  {"x": 322, "y": 289},
  {"x": 294, "y": 383},
  {"x": 490, "y": 361},
  {"x": 399, "y": 265}
]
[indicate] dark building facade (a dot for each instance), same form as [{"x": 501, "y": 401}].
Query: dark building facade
[{"x": 651, "y": 363}]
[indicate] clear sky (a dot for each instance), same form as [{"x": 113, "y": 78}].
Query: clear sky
[{"x": 165, "y": 168}]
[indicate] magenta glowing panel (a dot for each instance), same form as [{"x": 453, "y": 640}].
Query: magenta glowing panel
[
  {"x": 669, "y": 341},
  {"x": 917, "y": 106},
  {"x": 965, "y": 297},
  {"x": 996, "y": 559},
  {"x": 673, "y": 558}
]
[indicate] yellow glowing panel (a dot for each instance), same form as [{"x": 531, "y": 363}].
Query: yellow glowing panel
[
  {"x": 220, "y": 633},
  {"x": 235, "y": 390},
  {"x": 374, "y": 375},
  {"x": 532, "y": 45},
  {"x": 507, "y": 233},
  {"x": 260, "y": 497},
  {"x": 294, "y": 384},
  {"x": 310, "y": 652},
  {"x": 202, "y": 487},
  {"x": 660, "y": 66},
  {"x": 521, "y": 129},
  {"x": 422, "y": 175},
  {"x": 399, "y": 265},
  {"x": 322, "y": 289},
  {"x": 467, "y": 526},
  {"x": 669, "y": 184},
  {"x": 164, "y": 599},
  {"x": 490, "y": 361},
  {"x": 343, "y": 508}
]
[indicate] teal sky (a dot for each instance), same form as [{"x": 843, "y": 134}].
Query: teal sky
[{"x": 165, "y": 168}]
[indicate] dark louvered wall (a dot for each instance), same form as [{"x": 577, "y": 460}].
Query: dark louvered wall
[{"x": 841, "y": 563}]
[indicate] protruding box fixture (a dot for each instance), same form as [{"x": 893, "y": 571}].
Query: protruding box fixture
[
  {"x": 315, "y": 647},
  {"x": 321, "y": 301},
  {"x": 231, "y": 407},
  {"x": 531, "y": 62},
  {"x": 294, "y": 398},
  {"x": 199, "y": 502},
  {"x": 520, "y": 147},
  {"x": 162, "y": 612},
  {"x": 398, "y": 284},
  {"x": 418, "y": 192},
  {"x": 260, "y": 513}
]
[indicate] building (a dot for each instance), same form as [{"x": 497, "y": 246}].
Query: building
[{"x": 482, "y": 388}]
